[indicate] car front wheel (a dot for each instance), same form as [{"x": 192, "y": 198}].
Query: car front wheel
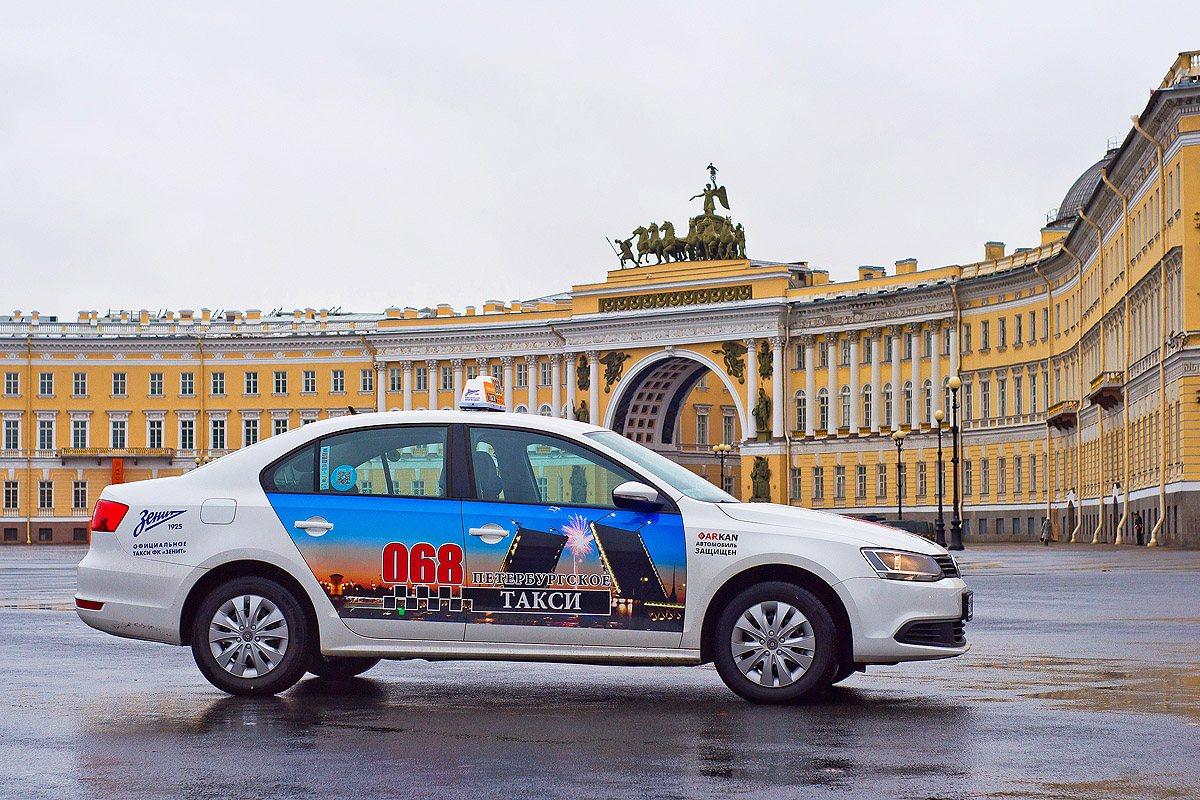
[
  {"x": 776, "y": 643},
  {"x": 251, "y": 637}
]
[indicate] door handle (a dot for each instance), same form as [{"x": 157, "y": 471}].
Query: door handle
[
  {"x": 314, "y": 526},
  {"x": 490, "y": 533}
]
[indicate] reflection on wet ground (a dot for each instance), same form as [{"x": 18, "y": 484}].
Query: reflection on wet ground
[{"x": 1083, "y": 682}]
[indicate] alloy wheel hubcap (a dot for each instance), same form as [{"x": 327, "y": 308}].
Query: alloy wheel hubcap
[
  {"x": 248, "y": 636},
  {"x": 773, "y": 644}
]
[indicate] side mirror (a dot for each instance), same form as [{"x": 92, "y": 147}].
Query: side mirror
[{"x": 636, "y": 496}]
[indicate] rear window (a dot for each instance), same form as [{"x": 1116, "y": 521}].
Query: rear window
[{"x": 296, "y": 473}]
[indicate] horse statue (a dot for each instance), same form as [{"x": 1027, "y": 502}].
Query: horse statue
[
  {"x": 643, "y": 245},
  {"x": 654, "y": 243},
  {"x": 673, "y": 247}
]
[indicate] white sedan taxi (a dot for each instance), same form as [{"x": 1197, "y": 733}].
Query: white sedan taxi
[{"x": 471, "y": 535}]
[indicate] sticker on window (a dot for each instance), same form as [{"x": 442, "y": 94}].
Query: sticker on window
[
  {"x": 324, "y": 469},
  {"x": 343, "y": 478}
]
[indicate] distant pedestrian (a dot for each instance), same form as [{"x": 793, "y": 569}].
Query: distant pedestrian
[
  {"x": 1045, "y": 536},
  {"x": 1139, "y": 528}
]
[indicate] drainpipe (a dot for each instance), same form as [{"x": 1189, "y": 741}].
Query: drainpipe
[
  {"x": 30, "y": 439},
  {"x": 1049, "y": 358},
  {"x": 1103, "y": 354},
  {"x": 1125, "y": 356},
  {"x": 956, "y": 478},
  {"x": 201, "y": 390},
  {"x": 1079, "y": 403},
  {"x": 1162, "y": 337}
]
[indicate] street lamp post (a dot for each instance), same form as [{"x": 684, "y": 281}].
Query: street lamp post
[
  {"x": 898, "y": 438},
  {"x": 722, "y": 452},
  {"x": 954, "y": 384},
  {"x": 940, "y": 527}
]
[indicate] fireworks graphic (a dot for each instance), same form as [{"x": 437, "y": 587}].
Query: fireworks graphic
[{"x": 579, "y": 540}]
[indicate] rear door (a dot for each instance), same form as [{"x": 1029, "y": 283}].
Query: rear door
[
  {"x": 551, "y": 560},
  {"x": 371, "y": 513}
]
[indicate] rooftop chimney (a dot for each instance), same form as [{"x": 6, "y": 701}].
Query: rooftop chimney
[
  {"x": 906, "y": 266},
  {"x": 993, "y": 251}
]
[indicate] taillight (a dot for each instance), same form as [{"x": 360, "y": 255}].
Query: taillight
[{"x": 107, "y": 516}]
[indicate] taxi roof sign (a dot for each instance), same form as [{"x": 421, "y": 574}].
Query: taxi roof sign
[{"x": 482, "y": 394}]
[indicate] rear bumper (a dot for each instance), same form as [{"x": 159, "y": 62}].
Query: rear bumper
[
  {"x": 883, "y": 612},
  {"x": 141, "y": 598}
]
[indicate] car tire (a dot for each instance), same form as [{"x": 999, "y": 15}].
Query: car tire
[
  {"x": 336, "y": 668},
  {"x": 251, "y": 637},
  {"x": 776, "y": 643}
]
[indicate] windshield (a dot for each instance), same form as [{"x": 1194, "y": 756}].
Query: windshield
[{"x": 663, "y": 468}]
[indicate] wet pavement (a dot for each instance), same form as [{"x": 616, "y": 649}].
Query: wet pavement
[{"x": 1083, "y": 682}]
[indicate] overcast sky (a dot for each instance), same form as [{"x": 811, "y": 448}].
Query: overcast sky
[{"x": 363, "y": 155}]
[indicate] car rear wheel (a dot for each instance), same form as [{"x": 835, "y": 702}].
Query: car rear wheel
[
  {"x": 340, "y": 667},
  {"x": 776, "y": 643},
  {"x": 250, "y": 637}
]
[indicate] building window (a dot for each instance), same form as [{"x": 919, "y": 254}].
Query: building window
[
  {"x": 187, "y": 434},
  {"x": 280, "y": 382},
  {"x": 12, "y": 434},
  {"x": 860, "y": 481},
  {"x": 1001, "y": 475},
  {"x": 12, "y": 384},
  {"x": 908, "y": 403},
  {"x": 522, "y": 375},
  {"x": 1033, "y": 477},
  {"x": 217, "y": 384},
  {"x": 967, "y": 476},
  {"x": 845, "y": 352},
  {"x": 702, "y": 429},
  {"x": 421, "y": 378},
  {"x": 279, "y": 425},
  {"x": 1018, "y": 329},
  {"x": 12, "y": 495},
  {"x": 366, "y": 380},
  {"x": 79, "y": 495},
  {"x": 497, "y": 372},
  {"x": 154, "y": 434},
  {"x": 79, "y": 535},
  {"x": 888, "y": 405},
  {"x": 868, "y": 410},
  {"x": 908, "y": 346},
  {"x": 116, "y": 434},
  {"x": 10, "y": 534},
  {"x": 985, "y": 477},
  {"x": 968, "y": 405},
  {"x": 118, "y": 384},
  {"x": 45, "y": 494},
  {"x": 823, "y": 354},
  {"x": 985, "y": 335},
  {"x": 1018, "y": 483},
  {"x": 337, "y": 381},
  {"x": 1033, "y": 392},
  {"x": 45, "y": 434},
  {"x": 922, "y": 479},
  {"x": 823, "y": 409},
  {"x": 727, "y": 485},
  {"x": 250, "y": 384},
  {"x": 880, "y": 481},
  {"x": 799, "y": 361},
  {"x": 795, "y": 483},
  {"x": 187, "y": 384},
  {"x": 818, "y": 492},
  {"x": 927, "y": 344},
  {"x": 308, "y": 381},
  {"x": 727, "y": 430},
  {"x": 46, "y": 384},
  {"x": 447, "y": 375},
  {"x": 1018, "y": 395},
  {"x": 902, "y": 479},
  {"x": 1002, "y": 331},
  {"x": 927, "y": 399},
  {"x": 155, "y": 388},
  {"x": 544, "y": 378},
  {"x": 801, "y": 412},
  {"x": 417, "y": 487},
  {"x": 395, "y": 379},
  {"x": 888, "y": 344},
  {"x": 845, "y": 398},
  {"x": 45, "y": 534},
  {"x": 985, "y": 399},
  {"x": 1002, "y": 395},
  {"x": 839, "y": 482},
  {"x": 217, "y": 429},
  {"x": 249, "y": 431},
  {"x": 79, "y": 384},
  {"x": 79, "y": 433}
]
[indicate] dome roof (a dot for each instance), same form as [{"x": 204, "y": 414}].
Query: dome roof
[{"x": 1080, "y": 191}]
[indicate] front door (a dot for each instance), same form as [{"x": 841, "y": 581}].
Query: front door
[
  {"x": 370, "y": 512},
  {"x": 550, "y": 558}
]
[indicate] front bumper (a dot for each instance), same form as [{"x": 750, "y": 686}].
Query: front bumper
[
  {"x": 141, "y": 598},
  {"x": 882, "y": 612}
]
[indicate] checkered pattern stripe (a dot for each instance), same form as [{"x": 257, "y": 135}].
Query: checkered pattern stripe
[{"x": 424, "y": 598}]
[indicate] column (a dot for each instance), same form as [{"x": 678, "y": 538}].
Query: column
[
  {"x": 855, "y": 400},
  {"x": 407, "y": 369},
  {"x": 458, "y": 379},
  {"x": 831, "y": 355},
  {"x": 380, "y": 388},
  {"x": 777, "y": 399},
  {"x": 897, "y": 387},
  {"x": 954, "y": 336},
  {"x": 594, "y": 387},
  {"x": 915, "y": 377},
  {"x": 507, "y": 363},
  {"x": 572, "y": 363},
  {"x": 751, "y": 388},
  {"x": 810, "y": 386},
  {"x": 876, "y": 383},
  {"x": 432, "y": 381},
  {"x": 935, "y": 371},
  {"x": 555, "y": 396},
  {"x": 531, "y": 382}
]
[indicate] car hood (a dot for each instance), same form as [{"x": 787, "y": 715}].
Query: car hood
[{"x": 800, "y": 520}]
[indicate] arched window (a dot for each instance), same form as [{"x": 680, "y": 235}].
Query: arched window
[
  {"x": 844, "y": 420},
  {"x": 866, "y": 406},
  {"x": 801, "y": 411},
  {"x": 908, "y": 403},
  {"x": 888, "y": 405},
  {"x": 521, "y": 410},
  {"x": 928, "y": 396},
  {"x": 546, "y": 411},
  {"x": 823, "y": 409}
]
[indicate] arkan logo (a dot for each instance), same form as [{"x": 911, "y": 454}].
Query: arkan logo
[{"x": 152, "y": 519}]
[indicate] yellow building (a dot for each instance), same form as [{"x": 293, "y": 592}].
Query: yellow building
[{"x": 1079, "y": 360}]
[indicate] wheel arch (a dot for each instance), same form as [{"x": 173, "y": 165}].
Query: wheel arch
[
  {"x": 240, "y": 569},
  {"x": 776, "y": 572}
]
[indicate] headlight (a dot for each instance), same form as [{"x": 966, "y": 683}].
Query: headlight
[{"x": 899, "y": 565}]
